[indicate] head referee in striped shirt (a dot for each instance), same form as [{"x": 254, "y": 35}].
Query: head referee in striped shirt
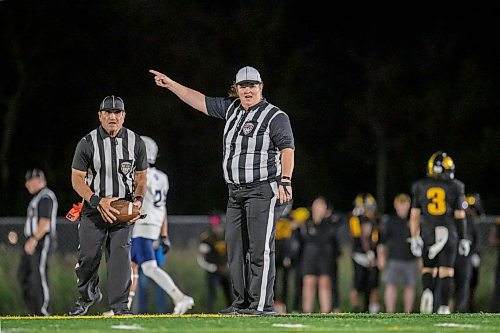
[{"x": 258, "y": 160}]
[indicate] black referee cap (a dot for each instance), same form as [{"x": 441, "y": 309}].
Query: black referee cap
[
  {"x": 33, "y": 173},
  {"x": 112, "y": 103}
]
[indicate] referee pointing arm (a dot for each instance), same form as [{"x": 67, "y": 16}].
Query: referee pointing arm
[{"x": 258, "y": 161}]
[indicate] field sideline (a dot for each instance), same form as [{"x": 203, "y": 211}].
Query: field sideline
[{"x": 202, "y": 323}]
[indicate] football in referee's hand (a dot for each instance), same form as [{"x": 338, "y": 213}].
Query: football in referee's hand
[{"x": 127, "y": 209}]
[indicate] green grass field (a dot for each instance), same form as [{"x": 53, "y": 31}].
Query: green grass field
[{"x": 344, "y": 322}]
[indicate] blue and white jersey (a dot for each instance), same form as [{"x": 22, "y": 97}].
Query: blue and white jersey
[{"x": 154, "y": 205}]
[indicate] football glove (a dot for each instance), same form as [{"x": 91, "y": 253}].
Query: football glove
[
  {"x": 165, "y": 244},
  {"x": 464, "y": 247},
  {"x": 475, "y": 260},
  {"x": 416, "y": 246}
]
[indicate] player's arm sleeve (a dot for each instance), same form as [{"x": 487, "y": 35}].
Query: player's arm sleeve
[
  {"x": 415, "y": 191},
  {"x": 141, "y": 162},
  {"x": 217, "y": 106},
  {"x": 83, "y": 155},
  {"x": 45, "y": 207},
  {"x": 281, "y": 132}
]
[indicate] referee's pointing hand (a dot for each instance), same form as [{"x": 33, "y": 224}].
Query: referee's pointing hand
[{"x": 161, "y": 79}]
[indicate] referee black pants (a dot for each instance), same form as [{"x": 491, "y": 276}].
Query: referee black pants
[
  {"x": 32, "y": 274},
  {"x": 95, "y": 235},
  {"x": 252, "y": 212}
]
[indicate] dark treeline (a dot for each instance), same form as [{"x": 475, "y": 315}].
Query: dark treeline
[{"x": 371, "y": 94}]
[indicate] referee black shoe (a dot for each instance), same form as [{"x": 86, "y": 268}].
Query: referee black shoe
[
  {"x": 231, "y": 310},
  {"x": 82, "y": 307},
  {"x": 124, "y": 312},
  {"x": 255, "y": 312}
]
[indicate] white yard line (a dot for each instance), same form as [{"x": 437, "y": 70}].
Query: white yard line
[
  {"x": 290, "y": 325},
  {"x": 127, "y": 327},
  {"x": 457, "y": 325}
]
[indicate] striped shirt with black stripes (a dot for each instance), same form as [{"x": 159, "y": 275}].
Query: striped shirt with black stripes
[
  {"x": 252, "y": 139},
  {"x": 110, "y": 162}
]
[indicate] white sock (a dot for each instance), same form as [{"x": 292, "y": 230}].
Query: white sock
[
  {"x": 150, "y": 269},
  {"x": 130, "y": 299},
  {"x": 374, "y": 308}
]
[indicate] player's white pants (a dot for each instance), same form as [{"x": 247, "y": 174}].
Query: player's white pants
[{"x": 150, "y": 269}]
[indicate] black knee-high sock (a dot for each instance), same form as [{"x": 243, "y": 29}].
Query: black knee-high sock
[
  {"x": 427, "y": 281},
  {"x": 445, "y": 289}
]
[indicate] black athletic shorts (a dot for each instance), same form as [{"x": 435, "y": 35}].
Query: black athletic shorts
[
  {"x": 365, "y": 278},
  {"x": 446, "y": 257}
]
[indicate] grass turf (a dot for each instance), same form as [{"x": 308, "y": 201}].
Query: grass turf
[{"x": 344, "y": 322}]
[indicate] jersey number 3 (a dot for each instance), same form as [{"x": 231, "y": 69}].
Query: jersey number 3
[{"x": 437, "y": 196}]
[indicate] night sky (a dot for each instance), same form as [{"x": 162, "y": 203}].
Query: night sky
[{"x": 371, "y": 92}]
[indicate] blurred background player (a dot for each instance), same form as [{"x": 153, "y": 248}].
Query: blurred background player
[
  {"x": 40, "y": 233},
  {"x": 475, "y": 211},
  {"x": 335, "y": 220},
  {"x": 395, "y": 257},
  {"x": 438, "y": 226},
  {"x": 317, "y": 239},
  {"x": 363, "y": 225},
  {"x": 495, "y": 241},
  {"x": 298, "y": 217},
  {"x": 153, "y": 227},
  {"x": 212, "y": 257},
  {"x": 467, "y": 267},
  {"x": 283, "y": 258}
]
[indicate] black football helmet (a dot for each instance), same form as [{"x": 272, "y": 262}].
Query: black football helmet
[{"x": 441, "y": 166}]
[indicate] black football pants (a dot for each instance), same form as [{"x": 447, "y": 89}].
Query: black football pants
[
  {"x": 252, "y": 213},
  {"x": 95, "y": 235},
  {"x": 32, "y": 274}
]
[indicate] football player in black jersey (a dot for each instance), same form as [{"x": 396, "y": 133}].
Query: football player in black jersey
[
  {"x": 438, "y": 226},
  {"x": 363, "y": 227}
]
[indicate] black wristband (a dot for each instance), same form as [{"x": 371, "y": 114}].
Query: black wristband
[
  {"x": 285, "y": 183},
  {"x": 286, "y": 177},
  {"x": 94, "y": 201}
]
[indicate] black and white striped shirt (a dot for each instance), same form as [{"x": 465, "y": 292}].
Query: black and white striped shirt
[
  {"x": 43, "y": 204},
  {"x": 253, "y": 139},
  {"x": 110, "y": 162}
]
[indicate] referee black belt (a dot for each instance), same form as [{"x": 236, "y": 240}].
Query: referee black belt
[{"x": 235, "y": 187}]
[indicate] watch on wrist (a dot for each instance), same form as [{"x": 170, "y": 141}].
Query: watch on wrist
[{"x": 94, "y": 201}]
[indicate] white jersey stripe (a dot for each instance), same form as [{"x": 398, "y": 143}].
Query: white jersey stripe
[
  {"x": 97, "y": 163},
  {"x": 109, "y": 174},
  {"x": 229, "y": 136},
  {"x": 119, "y": 156}
]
